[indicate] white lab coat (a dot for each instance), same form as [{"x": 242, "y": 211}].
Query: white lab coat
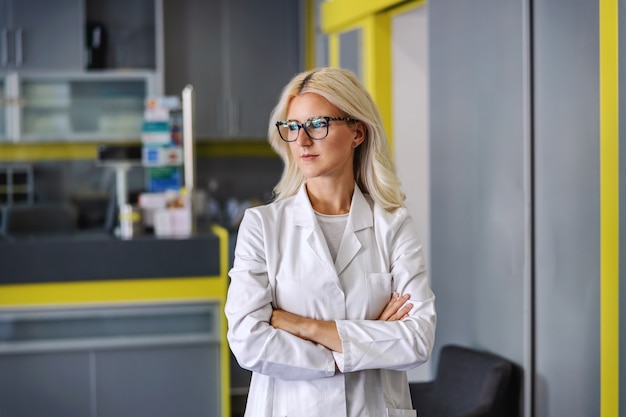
[{"x": 282, "y": 260}]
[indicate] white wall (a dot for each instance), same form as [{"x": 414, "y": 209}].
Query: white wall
[{"x": 410, "y": 125}]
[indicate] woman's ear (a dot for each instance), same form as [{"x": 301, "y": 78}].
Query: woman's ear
[{"x": 360, "y": 132}]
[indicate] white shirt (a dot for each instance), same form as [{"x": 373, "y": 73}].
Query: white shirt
[
  {"x": 282, "y": 260},
  {"x": 332, "y": 226}
]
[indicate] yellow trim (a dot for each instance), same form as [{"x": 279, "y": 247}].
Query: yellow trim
[
  {"x": 21, "y": 152},
  {"x": 222, "y": 233},
  {"x": 46, "y": 151},
  {"x": 63, "y": 293},
  {"x": 337, "y": 14},
  {"x": 609, "y": 209},
  {"x": 377, "y": 67},
  {"x": 309, "y": 34}
]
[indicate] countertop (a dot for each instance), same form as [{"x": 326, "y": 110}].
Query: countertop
[{"x": 94, "y": 256}]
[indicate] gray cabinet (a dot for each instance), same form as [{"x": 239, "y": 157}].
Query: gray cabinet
[
  {"x": 46, "y": 91},
  {"x": 131, "y": 29},
  {"x": 237, "y": 54},
  {"x": 158, "y": 360},
  {"x": 41, "y": 34},
  {"x": 74, "y": 106},
  {"x": 53, "y": 384},
  {"x": 4, "y": 34},
  {"x": 158, "y": 381}
]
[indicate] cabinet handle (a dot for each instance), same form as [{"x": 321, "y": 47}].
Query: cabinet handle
[
  {"x": 18, "y": 47},
  {"x": 4, "y": 45}
]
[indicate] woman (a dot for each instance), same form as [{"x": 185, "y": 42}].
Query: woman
[{"x": 314, "y": 306}]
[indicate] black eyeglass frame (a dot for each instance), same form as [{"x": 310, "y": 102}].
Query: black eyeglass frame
[{"x": 308, "y": 123}]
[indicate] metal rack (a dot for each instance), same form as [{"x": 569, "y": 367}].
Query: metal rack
[{"x": 16, "y": 184}]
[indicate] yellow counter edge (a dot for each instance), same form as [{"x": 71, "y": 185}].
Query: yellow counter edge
[{"x": 212, "y": 288}]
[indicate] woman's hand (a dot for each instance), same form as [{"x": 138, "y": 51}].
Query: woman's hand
[
  {"x": 325, "y": 332},
  {"x": 397, "y": 308},
  {"x": 290, "y": 322},
  {"x": 320, "y": 331}
]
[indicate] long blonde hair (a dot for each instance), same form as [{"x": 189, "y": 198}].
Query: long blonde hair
[{"x": 374, "y": 170}]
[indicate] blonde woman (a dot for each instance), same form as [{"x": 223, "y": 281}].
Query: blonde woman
[{"x": 329, "y": 302}]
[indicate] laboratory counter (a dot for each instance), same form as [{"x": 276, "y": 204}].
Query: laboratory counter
[
  {"x": 124, "y": 327},
  {"x": 90, "y": 256}
]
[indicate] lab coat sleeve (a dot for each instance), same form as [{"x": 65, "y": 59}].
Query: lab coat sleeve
[
  {"x": 258, "y": 346},
  {"x": 397, "y": 345}
]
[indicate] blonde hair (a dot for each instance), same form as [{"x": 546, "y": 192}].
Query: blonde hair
[{"x": 374, "y": 171}]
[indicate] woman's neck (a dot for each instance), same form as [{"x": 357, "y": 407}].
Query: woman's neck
[{"x": 330, "y": 198}]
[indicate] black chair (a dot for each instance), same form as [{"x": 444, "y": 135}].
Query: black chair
[
  {"x": 469, "y": 383},
  {"x": 38, "y": 219}
]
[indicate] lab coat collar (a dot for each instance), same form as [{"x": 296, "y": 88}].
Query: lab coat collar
[{"x": 361, "y": 217}]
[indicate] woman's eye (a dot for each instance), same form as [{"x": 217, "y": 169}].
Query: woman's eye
[
  {"x": 317, "y": 123},
  {"x": 292, "y": 126}
]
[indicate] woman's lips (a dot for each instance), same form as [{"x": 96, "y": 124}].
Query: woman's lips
[{"x": 308, "y": 157}]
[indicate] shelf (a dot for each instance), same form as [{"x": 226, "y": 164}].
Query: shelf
[{"x": 16, "y": 184}]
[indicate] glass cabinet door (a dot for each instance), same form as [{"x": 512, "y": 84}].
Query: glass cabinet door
[{"x": 82, "y": 109}]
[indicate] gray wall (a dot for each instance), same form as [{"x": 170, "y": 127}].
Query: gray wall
[
  {"x": 567, "y": 208},
  {"x": 478, "y": 173},
  {"x": 514, "y": 190}
]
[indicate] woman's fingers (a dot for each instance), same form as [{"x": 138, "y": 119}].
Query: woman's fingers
[{"x": 397, "y": 308}]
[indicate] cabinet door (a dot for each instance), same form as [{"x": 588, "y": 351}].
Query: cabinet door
[
  {"x": 193, "y": 55},
  {"x": 264, "y": 51},
  {"x": 4, "y": 34},
  {"x": 82, "y": 108},
  {"x": 130, "y": 32},
  {"x": 159, "y": 381},
  {"x": 45, "y": 384},
  {"x": 48, "y": 34}
]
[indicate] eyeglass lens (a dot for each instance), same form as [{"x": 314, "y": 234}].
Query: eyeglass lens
[{"x": 315, "y": 127}]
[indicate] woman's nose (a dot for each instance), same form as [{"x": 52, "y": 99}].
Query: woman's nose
[{"x": 303, "y": 139}]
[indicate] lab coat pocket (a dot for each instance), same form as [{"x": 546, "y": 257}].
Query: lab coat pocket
[
  {"x": 379, "y": 292},
  {"x": 397, "y": 412}
]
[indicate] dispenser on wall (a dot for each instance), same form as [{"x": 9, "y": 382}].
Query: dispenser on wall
[{"x": 97, "y": 44}]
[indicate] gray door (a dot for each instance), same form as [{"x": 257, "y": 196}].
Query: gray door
[{"x": 52, "y": 38}]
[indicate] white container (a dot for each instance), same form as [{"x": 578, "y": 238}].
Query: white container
[{"x": 172, "y": 222}]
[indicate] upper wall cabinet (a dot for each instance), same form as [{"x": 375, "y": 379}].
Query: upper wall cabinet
[
  {"x": 237, "y": 54},
  {"x": 77, "y": 70},
  {"x": 75, "y": 35},
  {"x": 74, "y": 107},
  {"x": 41, "y": 34},
  {"x": 121, "y": 34}
]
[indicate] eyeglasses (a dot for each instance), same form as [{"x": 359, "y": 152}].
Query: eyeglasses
[{"x": 316, "y": 127}]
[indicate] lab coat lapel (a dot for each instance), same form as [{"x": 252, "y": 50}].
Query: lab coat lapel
[
  {"x": 304, "y": 217},
  {"x": 360, "y": 218}
]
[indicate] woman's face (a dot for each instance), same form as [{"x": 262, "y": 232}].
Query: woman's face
[{"x": 331, "y": 157}]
